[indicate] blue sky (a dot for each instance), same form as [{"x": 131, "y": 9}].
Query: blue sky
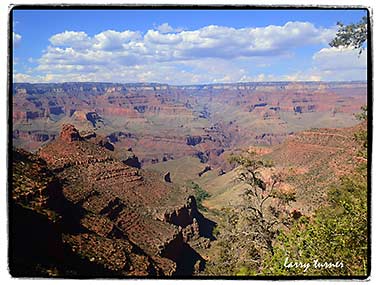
[{"x": 182, "y": 46}]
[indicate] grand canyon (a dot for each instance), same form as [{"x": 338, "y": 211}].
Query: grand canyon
[
  {"x": 190, "y": 142},
  {"x": 162, "y": 122},
  {"x": 135, "y": 179}
]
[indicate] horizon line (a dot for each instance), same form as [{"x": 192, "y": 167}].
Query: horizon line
[{"x": 197, "y": 84}]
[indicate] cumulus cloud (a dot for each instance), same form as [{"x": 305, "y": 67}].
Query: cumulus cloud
[
  {"x": 166, "y": 44},
  {"x": 168, "y": 55},
  {"x": 22, "y": 77},
  {"x": 113, "y": 40},
  {"x": 166, "y": 28},
  {"x": 16, "y": 39},
  {"x": 340, "y": 64},
  {"x": 330, "y": 64},
  {"x": 71, "y": 39},
  {"x": 339, "y": 59}
]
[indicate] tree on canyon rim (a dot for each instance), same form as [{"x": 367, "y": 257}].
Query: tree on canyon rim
[
  {"x": 248, "y": 229},
  {"x": 258, "y": 195},
  {"x": 338, "y": 231},
  {"x": 353, "y": 35}
]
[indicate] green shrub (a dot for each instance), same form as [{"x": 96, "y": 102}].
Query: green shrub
[{"x": 199, "y": 195}]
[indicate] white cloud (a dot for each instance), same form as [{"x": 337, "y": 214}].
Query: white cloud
[
  {"x": 297, "y": 76},
  {"x": 22, "y": 77},
  {"x": 166, "y": 28},
  {"x": 16, "y": 39},
  {"x": 71, "y": 39},
  {"x": 155, "y": 37},
  {"x": 166, "y": 44},
  {"x": 340, "y": 59},
  {"x": 340, "y": 64},
  {"x": 330, "y": 64},
  {"x": 164, "y": 54},
  {"x": 112, "y": 40}
]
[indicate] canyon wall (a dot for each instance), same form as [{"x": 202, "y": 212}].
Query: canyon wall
[{"x": 162, "y": 122}]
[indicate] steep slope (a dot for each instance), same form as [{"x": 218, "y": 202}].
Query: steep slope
[
  {"x": 123, "y": 220},
  {"x": 39, "y": 215},
  {"x": 310, "y": 162},
  {"x": 315, "y": 160}
]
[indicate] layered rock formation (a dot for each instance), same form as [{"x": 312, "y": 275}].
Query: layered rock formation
[
  {"x": 162, "y": 122},
  {"x": 115, "y": 216},
  {"x": 315, "y": 159}
]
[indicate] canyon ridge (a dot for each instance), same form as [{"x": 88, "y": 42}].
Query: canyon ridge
[{"x": 115, "y": 180}]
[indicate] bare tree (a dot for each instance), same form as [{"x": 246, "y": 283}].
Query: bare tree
[{"x": 258, "y": 195}]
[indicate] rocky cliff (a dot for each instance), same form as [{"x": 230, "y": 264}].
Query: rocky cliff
[
  {"x": 113, "y": 216},
  {"x": 162, "y": 122},
  {"x": 316, "y": 159}
]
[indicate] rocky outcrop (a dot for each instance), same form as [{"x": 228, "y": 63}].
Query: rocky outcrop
[
  {"x": 193, "y": 140},
  {"x": 99, "y": 140},
  {"x": 184, "y": 215},
  {"x": 167, "y": 177},
  {"x": 40, "y": 216},
  {"x": 191, "y": 222},
  {"x": 204, "y": 170},
  {"x": 94, "y": 118},
  {"x": 119, "y": 206},
  {"x": 117, "y": 136},
  {"x": 69, "y": 134},
  {"x": 133, "y": 161}
]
